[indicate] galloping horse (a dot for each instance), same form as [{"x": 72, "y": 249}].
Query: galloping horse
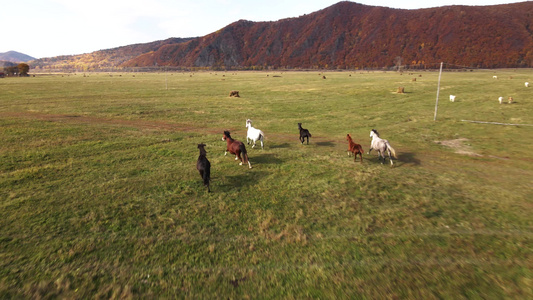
[
  {"x": 304, "y": 133},
  {"x": 203, "y": 166},
  {"x": 237, "y": 148},
  {"x": 381, "y": 146},
  {"x": 354, "y": 148},
  {"x": 253, "y": 134}
]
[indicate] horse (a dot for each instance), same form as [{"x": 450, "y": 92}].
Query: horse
[
  {"x": 381, "y": 146},
  {"x": 354, "y": 148},
  {"x": 304, "y": 133},
  {"x": 253, "y": 134},
  {"x": 203, "y": 166},
  {"x": 237, "y": 148}
]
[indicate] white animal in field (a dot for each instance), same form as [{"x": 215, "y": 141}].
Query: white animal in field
[
  {"x": 500, "y": 100},
  {"x": 452, "y": 98},
  {"x": 495, "y": 77},
  {"x": 526, "y": 84},
  {"x": 253, "y": 134}
]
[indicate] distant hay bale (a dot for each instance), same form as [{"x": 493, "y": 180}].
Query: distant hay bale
[
  {"x": 234, "y": 94},
  {"x": 400, "y": 90},
  {"x": 414, "y": 79}
]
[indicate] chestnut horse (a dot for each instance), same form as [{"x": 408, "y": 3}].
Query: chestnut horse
[
  {"x": 354, "y": 148},
  {"x": 237, "y": 148}
]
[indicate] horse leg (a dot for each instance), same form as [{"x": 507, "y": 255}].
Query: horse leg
[
  {"x": 390, "y": 158},
  {"x": 307, "y": 140},
  {"x": 261, "y": 143},
  {"x": 253, "y": 144}
]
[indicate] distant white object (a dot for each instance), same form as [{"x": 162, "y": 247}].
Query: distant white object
[
  {"x": 500, "y": 100},
  {"x": 452, "y": 98},
  {"x": 527, "y": 84},
  {"x": 495, "y": 77}
]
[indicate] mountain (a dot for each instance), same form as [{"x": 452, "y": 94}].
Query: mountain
[
  {"x": 344, "y": 35},
  {"x": 351, "y": 35},
  {"x": 103, "y": 59},
  {"x": 15, "y": 57}
]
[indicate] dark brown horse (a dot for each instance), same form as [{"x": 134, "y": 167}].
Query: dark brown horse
[
  {"x": 304, "y": 133},
  {"x": 354, "y": 148},
  {"x": 204, "y": 166},
  {"x": 237, "y": 148}
]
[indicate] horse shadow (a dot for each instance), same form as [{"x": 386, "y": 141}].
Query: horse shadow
[
  {"x": 408, "y": 158},
  {"x": 248, "y": 178},
  {"x": 267, "y": 158},
  {"x": 325, "y": 144},
  {"x": 279, "y": 146}
]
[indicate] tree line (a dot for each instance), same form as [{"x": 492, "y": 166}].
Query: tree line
[{"x": 21, "y": 69}]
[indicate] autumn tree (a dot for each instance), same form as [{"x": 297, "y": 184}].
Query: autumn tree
[{"x": 23, "y": 69}]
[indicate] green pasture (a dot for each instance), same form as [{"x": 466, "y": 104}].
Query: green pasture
[{"x": 100, "y": 196}]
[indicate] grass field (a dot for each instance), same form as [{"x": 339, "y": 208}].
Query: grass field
[{"x": 100, "y": 197}]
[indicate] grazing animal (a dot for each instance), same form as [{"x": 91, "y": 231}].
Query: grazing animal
[
  {"x": 500, "y": 100},
  {"x": 253, "y": 134},
  {"x": 237, "y": 148},
  {"x": 234, "y": 94},
  {"x": 510, "y": 100},
  {"x": 304, "y": 133},
  {"x": 381, "y": 146},
  {"x": 452, "y": 98},
  {"x": 495, "y": 77},
  {"x": 526, "y": 84},
  {"x": 204, "y": 166},
  {"x": 354, "y": 148}
]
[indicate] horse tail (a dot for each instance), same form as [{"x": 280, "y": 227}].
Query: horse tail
[
  {"x": 392, "y": 150},
  {"x": 243, "y": 153},
  {"x": 360, "y": 149},
  {"x": 309, "y": 133},
  {"x": 261, "y": 135}
]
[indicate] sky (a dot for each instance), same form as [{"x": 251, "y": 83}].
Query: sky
[{"x": 48, "y": 28}]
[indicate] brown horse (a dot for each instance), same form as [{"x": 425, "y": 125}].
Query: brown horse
[
  {"x": 237, "y": 148},
  {"x": 354, "y": 148}
]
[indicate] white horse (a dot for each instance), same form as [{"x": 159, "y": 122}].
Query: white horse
[
  {"x": 381, "y": 146},
  {"x": 253, "y": 134}
]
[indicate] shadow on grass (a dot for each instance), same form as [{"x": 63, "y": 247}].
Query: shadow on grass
[
  {"x": 233, "y": 182},
  {"x": 266, "y": 158},
  {"x": 279, "y": 146},
  {"x": 326, "y": 144},
  {"x": 408, "y": 158}
]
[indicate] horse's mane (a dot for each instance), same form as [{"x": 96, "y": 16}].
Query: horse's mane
[
  {"x": 376, "y": 132},
  {"x": 226, "y": 133}
]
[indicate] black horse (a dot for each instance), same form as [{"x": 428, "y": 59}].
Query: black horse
[
  {"x": 304, "y": 133},
  {"x": 204, "y": 166}
]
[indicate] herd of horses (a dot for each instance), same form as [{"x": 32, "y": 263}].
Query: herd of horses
[{"x": 238, "y": 148}]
